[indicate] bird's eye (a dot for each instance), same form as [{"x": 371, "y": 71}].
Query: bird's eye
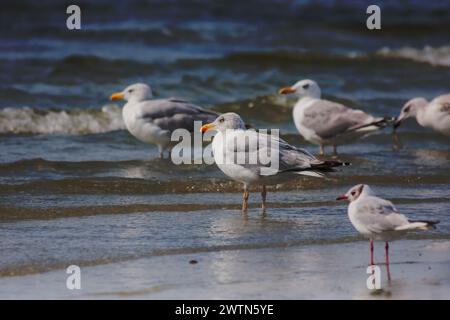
[
  {"x": 221, "y": 120},
  {"x": 353, "y": 193},
  {"x": 130, "y": 91},
  {"x": 305, "y": 86},
  {"x": 407, "y": 108}
]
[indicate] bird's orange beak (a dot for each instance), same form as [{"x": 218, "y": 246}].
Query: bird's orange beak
[
  {"x": 286, "y": 90},
  {"x": 117, "y": 96},
  {"x": 206, "y": 127},
  {"x": 343, "y": 197}
]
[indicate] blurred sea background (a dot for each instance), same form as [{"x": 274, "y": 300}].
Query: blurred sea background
[{"x": 75, "y": 187}]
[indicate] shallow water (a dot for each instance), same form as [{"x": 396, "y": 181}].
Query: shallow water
[{"x": 76, "y": 188}]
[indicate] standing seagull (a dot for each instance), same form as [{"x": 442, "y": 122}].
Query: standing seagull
[
  {"x": 324, "y": 122},
  {"x": 234, "y": 147},
  {"x": 153, "y": 121},
  {"x": 378, "y": 219},
  {"x": 434, "y": 114}
]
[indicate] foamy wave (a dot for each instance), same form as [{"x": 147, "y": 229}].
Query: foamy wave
[
  {"x": 435, "y": 56},
  {"x": 79, "y": 121}
]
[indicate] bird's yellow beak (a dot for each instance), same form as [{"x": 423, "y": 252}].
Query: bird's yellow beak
[
  {"x": 286, "y": 90},
  {"x": 117, "y": 96},
  {"x": 206, "y": 127}
]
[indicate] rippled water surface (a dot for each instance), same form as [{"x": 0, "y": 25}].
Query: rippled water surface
[{"x": 76, "y": 187}]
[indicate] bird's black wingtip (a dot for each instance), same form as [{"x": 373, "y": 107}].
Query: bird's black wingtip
[
  {"x": 384, "y": 122},
  {"x": 334, "y": 163}
]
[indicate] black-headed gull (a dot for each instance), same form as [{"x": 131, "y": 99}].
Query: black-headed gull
[
  {"x": 153, "y": 121},
  {"x": 324, "y": 122},
  {"x": 434, "y": 114},
  {"x": 291, "y": 161},
  {"x": 378, "y": 219}
]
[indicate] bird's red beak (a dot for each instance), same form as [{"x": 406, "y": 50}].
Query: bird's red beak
[{"x": 343, "y": 197}]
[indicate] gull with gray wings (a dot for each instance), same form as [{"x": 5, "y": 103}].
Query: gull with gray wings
[
  {"x": 378, "y": 219},
  {"x": 434, "y": 114},
  {"x": 325, "y": 122},
  {"x": 153, "y": 120},
  {"x": 291, "y": 161}
]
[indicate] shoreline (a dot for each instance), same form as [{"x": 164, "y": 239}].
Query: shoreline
[{"x": 419, "y": 270}]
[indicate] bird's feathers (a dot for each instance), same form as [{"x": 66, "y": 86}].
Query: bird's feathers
[
  {"x": 419, "y": 224},
  {"x": 377, "y": 215},
  {"x": 171, "y": 114},
  {"x": 330, "y": 119},
  {"x": 250, "y": 144}
]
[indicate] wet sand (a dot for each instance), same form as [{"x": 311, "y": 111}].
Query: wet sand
[{"x": 419, "y": 268}]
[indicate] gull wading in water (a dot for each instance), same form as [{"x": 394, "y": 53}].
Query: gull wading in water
[
  {"x": 290, "y": 161},
  {"x": 434, "y": 114},
  {"x": 324, "y": 122},
  {"x": 153, "y": 120},
  {"x": 378, "y": 219}
]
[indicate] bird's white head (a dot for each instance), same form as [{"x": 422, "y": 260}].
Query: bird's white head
[
  {"x": 135, "y": 93},
  {"x": 410, "y": 109},
  {"x": 224, "y": 122},
  {"x": 303, "y": 88},
  {"x": 355, "y": 192}
]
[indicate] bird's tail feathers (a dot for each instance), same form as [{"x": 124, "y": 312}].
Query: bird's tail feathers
[
  {"x": 331, "y": 164},
  {"x": 316, "y": 174},
  {"x": 418, "y": 225},
  {"x": 375, "y": 125},
  {"x": 319, "y": 168}
]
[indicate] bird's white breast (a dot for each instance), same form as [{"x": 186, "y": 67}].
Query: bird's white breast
[
  {"x": 299, "y": 119},
  {"x": 354, "y": 215},
  {"x": 141, "y": 128},
  {"x": 228, "y": 165},
  {"x": 433, "y": 117}
]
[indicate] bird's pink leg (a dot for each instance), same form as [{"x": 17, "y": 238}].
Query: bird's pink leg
[
  {"x": 387, "y": 261},
  {"x": 372, "y": 263}
]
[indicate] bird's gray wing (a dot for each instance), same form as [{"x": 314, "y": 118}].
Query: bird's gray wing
[
  {"x": 171, "y": 114},
  {"x": 444, "y": 102},
  {"x": 293, "y": 158},
  {"x": 329, "y": 119},
  {"x": 380, "y": 215},
  {"x": 252, "y": 145}
]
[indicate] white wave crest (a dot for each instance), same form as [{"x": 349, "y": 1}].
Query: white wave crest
[
  {"x": 78, "y": 121},
  {"x": 439, "y": 56}
]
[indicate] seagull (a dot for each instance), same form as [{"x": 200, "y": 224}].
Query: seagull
[
  {"x": 153, "y": 120},
  {"x": 233, "y": 147},
  {"x": 378, "y": 219},
  {"x": 434, "y": 114},
  {"x": 324, "y": 122}
]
